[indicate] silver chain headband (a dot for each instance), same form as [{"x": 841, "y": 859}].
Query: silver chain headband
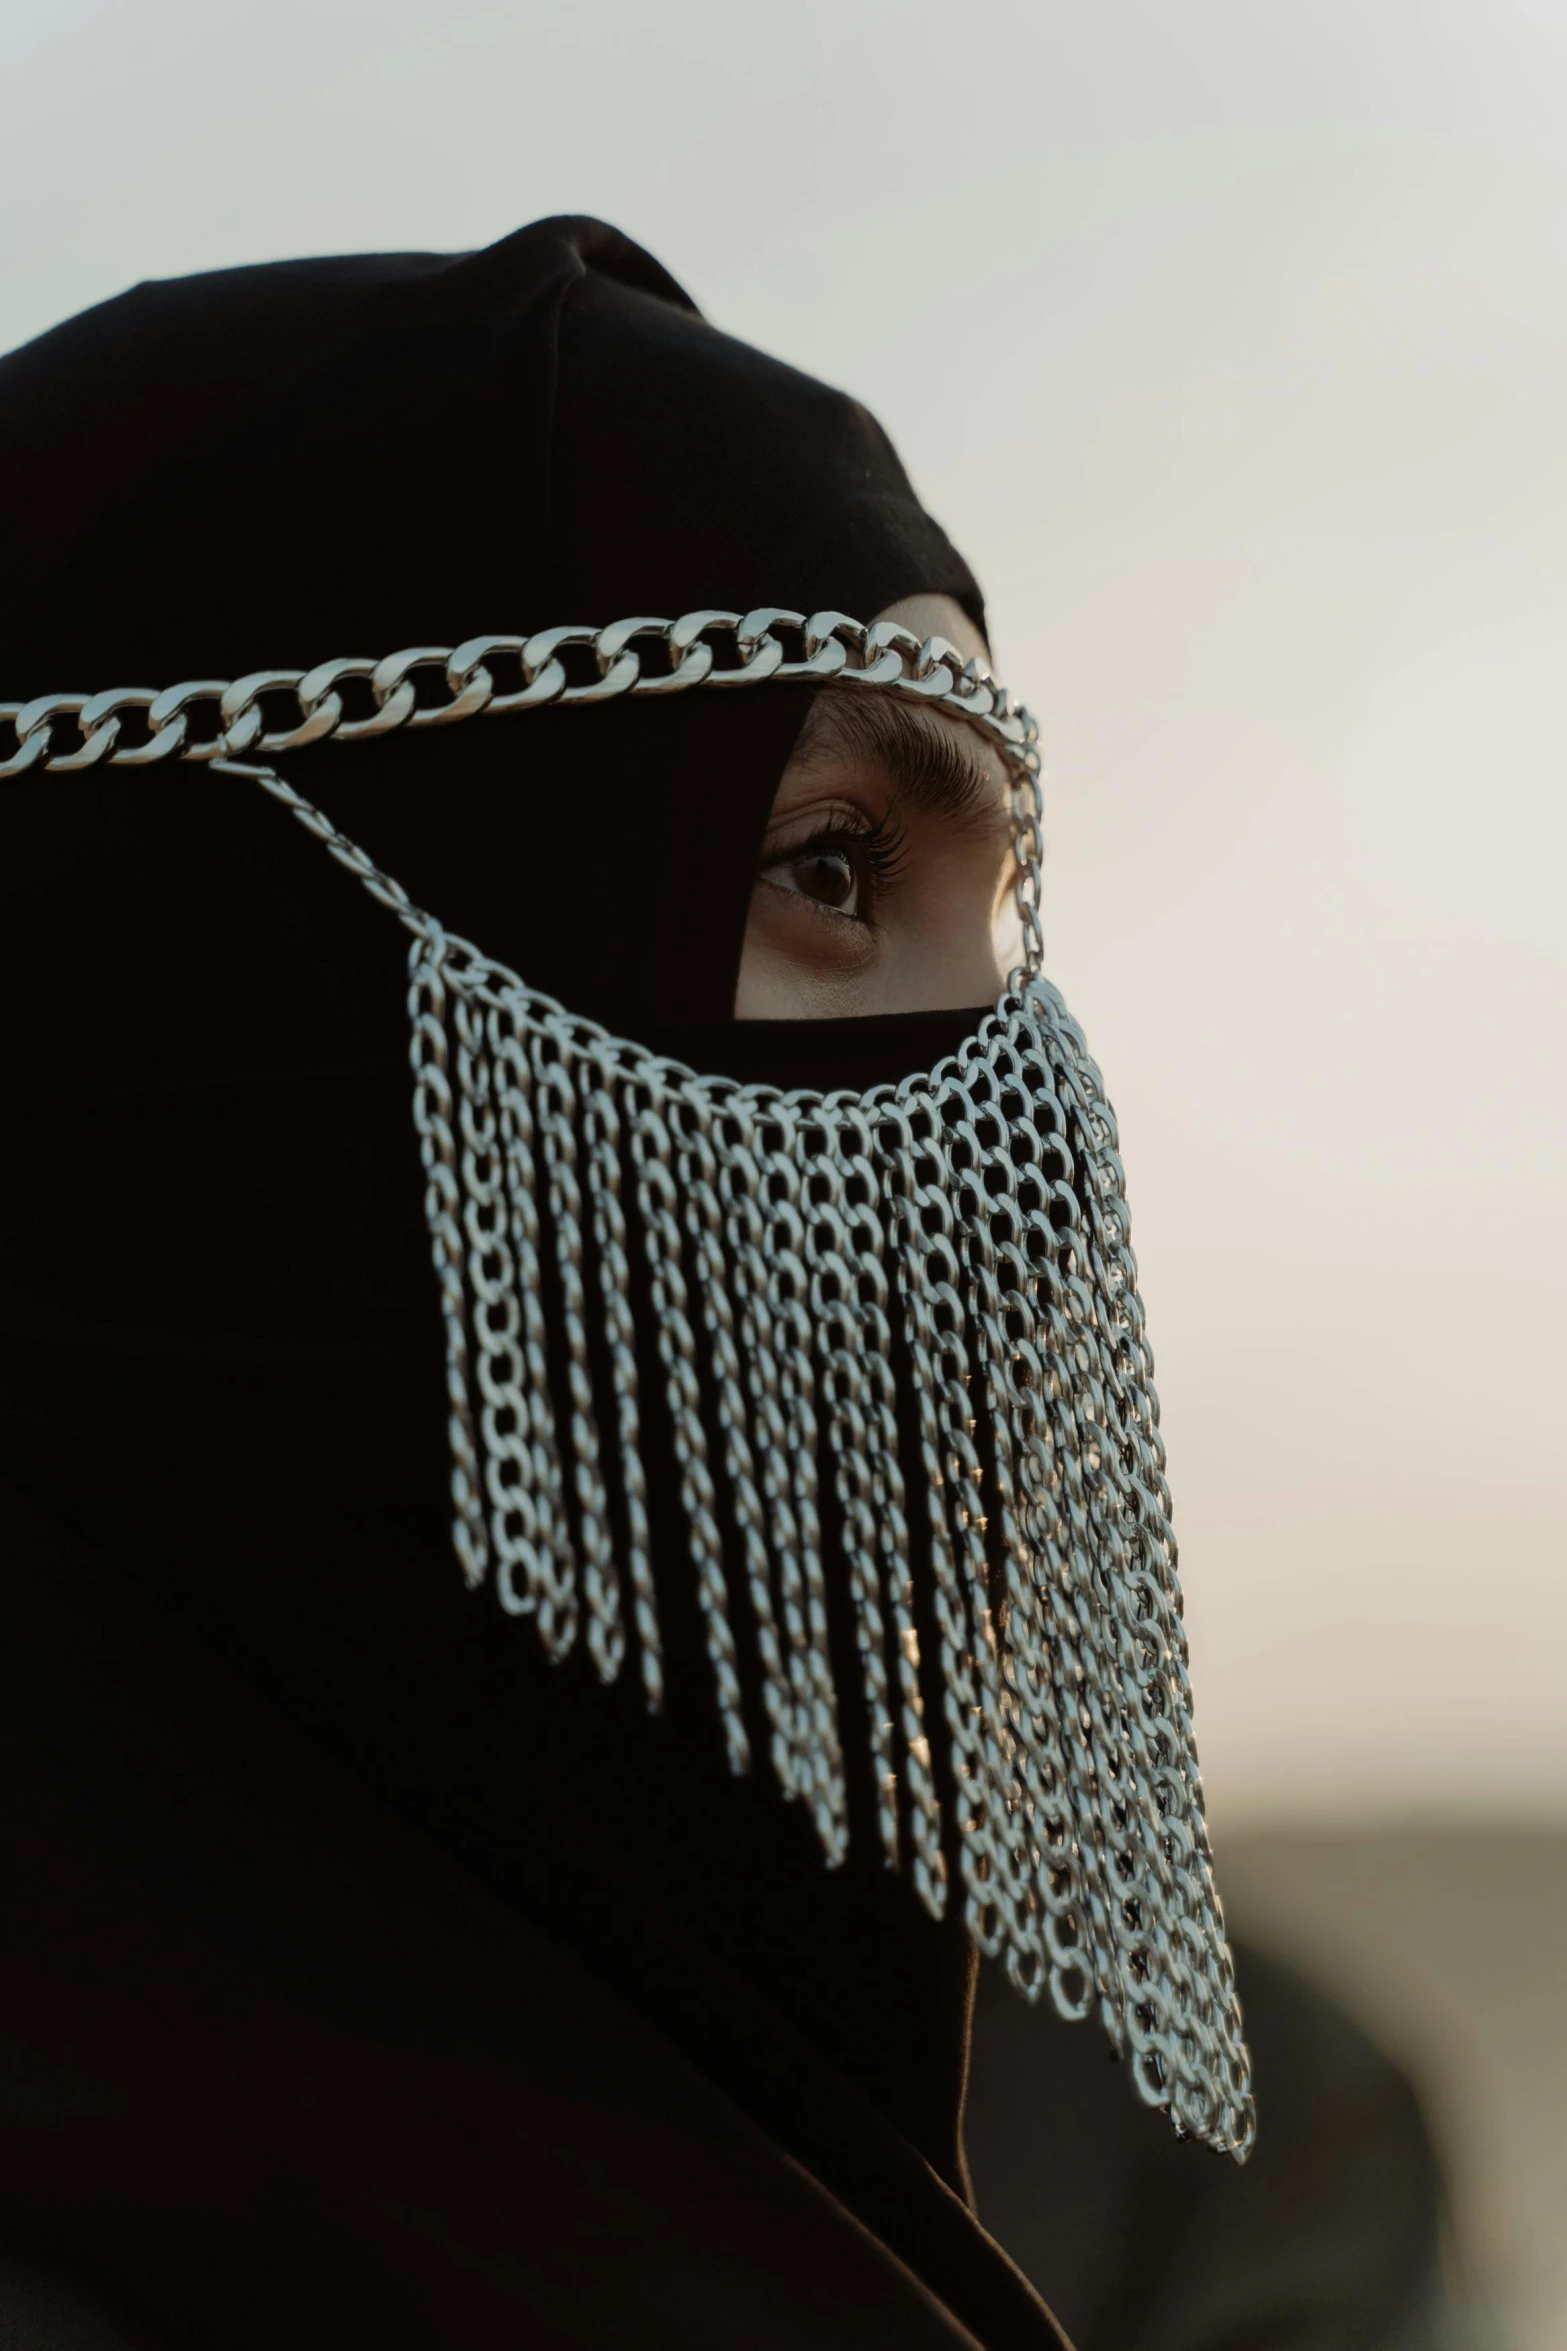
[{"x": 958, "y": 1241}]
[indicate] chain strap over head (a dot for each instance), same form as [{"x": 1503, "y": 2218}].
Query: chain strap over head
[{"x": 890, "y": 1342}]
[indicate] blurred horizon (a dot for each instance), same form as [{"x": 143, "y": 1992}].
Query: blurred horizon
[{"x": 1231, "y": 345}]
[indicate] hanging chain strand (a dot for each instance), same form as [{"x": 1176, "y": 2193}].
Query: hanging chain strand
[{"x": 918, "y": 1305}]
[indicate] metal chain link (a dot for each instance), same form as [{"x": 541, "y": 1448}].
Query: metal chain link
[
  {"x": 499, "y": 1287},
  {"x": 697, "y": 1169},
  {"x": 788, "y": 1472},
  {"x": 601, "y": 1125},
  {"x": 213, "y": 718},
  {"x": 845, "y": 1387},
  {"x": 555, "y": 1096},
  {"x": 652, "y": 1152},
  {"x": 867, "y": 1211}
]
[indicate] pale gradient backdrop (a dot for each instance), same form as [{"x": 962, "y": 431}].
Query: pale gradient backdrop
[{"x": 1230, "y": 339}]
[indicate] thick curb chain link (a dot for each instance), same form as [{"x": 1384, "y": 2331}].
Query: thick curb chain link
[
  {"x": 216, "y": 718},
  {"x": 223, "y": 722}
]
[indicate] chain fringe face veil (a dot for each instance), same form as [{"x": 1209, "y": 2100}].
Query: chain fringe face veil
[
  {"x": 962, "y": 1235},
  {"x": 893, "y": 1337}
]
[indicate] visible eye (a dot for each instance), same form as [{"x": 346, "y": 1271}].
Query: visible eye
[
  {"x": 826, "y": 876},
  {"x": 839, "y": 869}
]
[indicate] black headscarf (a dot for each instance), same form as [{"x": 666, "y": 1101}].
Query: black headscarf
[
  {"x": 266, "y": 466},
  {"x": 220, "y": 1367}
]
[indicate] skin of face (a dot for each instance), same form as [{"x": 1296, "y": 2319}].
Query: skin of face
[{"x": 885, "y": 878}]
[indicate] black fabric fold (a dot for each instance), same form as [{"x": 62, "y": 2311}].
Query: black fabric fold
[{"x": 285, "y": 2071}]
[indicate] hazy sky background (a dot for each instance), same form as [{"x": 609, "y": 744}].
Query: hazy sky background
[{"x": 1229, "y": 338}]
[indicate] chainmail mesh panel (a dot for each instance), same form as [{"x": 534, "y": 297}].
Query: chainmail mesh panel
[{"x": 958, "y": 1243}]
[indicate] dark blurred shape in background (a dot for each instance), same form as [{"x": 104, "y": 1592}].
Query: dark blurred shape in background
[
  {"x": 1334, "y": 2234},
  {"x": 1411, "y": 2167}
]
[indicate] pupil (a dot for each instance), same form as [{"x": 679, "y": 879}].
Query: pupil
[{"x": 828, "y": 877}]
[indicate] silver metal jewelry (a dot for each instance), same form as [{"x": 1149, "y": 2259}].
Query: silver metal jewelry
[{"x": 958, "y": 1242}]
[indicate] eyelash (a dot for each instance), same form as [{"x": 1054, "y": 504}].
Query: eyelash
[{"x": 882, "y": 845}]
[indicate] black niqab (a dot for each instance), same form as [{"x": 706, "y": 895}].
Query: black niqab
[{"x": 220, "y": 1368}]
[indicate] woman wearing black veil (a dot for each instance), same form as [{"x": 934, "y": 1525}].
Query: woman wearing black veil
[{"x": 381, "y": 1969}]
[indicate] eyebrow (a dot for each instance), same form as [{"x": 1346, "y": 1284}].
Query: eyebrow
[{"x": 935, "y": 762}]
